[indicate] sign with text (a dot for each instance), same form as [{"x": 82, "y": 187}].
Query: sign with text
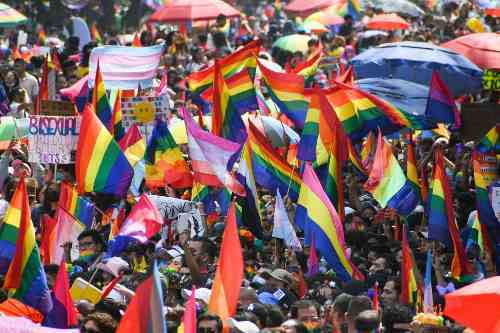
[
  {"x": 143, "y": 110},
  {"x": 491, "y": 80},
  {"x": 53, "y": 139}
]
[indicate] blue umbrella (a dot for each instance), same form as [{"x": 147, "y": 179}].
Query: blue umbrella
[
  {"x": 415, "y": 61},
  {"x": 407, "y": 96}
]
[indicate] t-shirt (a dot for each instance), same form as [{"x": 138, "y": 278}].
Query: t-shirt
[{"x": 30, "y": 84}]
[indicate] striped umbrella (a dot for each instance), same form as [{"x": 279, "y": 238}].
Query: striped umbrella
[
  {"x": 9, "y": 17},
  {"x": 293, "y": 43}
]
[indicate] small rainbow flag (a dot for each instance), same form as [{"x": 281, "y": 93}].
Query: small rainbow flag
[
  {"x": 133, "y": 145},
  {"x": 287, "y": 91},
  {"x": 441, "y": 107},
  {"x": 318, "y": 218},
  {"x": 245, "y": 57},
  {"x": 100, "y": 164},
  {"x": 94, "y": 32},
  {"x": 100, "y": 101},
  {"x": 164, "y": 161},
  {"x": 411, "y": 287},
  {"x": 387, "y": 182},
  {"x": 80, "y": 208},
  {"x": 117, "y": 117},
  {"x": 411, "y": 169},
  {"x": 270, "y": 170},
  {"x": 490, "y": 142}
]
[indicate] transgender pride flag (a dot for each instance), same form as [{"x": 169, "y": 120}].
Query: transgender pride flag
[{"x": 124, "y": 67}]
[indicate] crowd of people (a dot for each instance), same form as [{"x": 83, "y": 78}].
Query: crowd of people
[{"x": 281, "y": 290}]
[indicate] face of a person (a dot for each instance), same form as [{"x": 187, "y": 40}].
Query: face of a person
[
  {"x": 10, "y": 79},
  {"x": 19, "y": 67},
  {"x": 207, "y": 326},
  {"x": 90, "y": 327},
  {"x": 195, "y": 248},
  {"x": 87, "y": 245},
  {"x": 377, "y": 266},
  {"x": 389, "y": 294},
  {"x": 309, "y": 316}
]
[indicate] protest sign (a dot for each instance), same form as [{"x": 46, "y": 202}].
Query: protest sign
[
  {"x": 491, "y": 80},
  {"x": 57, "y": 108},
  {"x": 143, "y": 110},
  {"x": 52, "y": 139}
]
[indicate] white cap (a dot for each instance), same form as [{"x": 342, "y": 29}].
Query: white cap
[
  {"x": 243, "y": 326},
  {"x": 202, "y": 294},
  {"x": 113, "y": 265}
]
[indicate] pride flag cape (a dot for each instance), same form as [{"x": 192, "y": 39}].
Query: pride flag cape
[
  {"x": 164, "y": 161},
  {"x": 212, "y": 157},
  {"x": 361, "y": 112},
  {"x": 287, "y": 91},
  {"x": 442, "y": 225},
  {"x": 317, "y": 217},
  {"x": 133, "y": 145},
  {"x": 411, "y": 288},
  {"x": 79, "y": 207},
  {"x": 387, "y": 182},
  {"x": 226, "y": 119},
  {"x": 244, "y": 58},
  {"x": 229, "y": 275},
  {"x": 100, "y": 164},
  {"x": 270, "y": 170},
  {"x": 145, "y": 311},
  {"x": 25, "y": 276},
  {"x": 441, "y": 107},
  {"x": 100, "y": 101}
]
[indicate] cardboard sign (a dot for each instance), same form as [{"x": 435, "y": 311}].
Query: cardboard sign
[
  {"x": 143, "y": 110},
  {"x": 491, "y": 80},
  {"x": 52, "y": 139},
  {"x": 57, "y": 108},
  {"x": 478, "y": 119}
]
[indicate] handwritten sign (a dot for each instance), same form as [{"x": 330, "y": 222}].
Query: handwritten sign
[
  {"x": 491, "y": 80},
  {"x": 143, "y": 110},
  {"x": 53, "y": 139},
  {"x": 57, "y": 108}
]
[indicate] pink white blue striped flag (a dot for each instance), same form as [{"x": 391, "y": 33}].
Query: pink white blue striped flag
[
  {"x": 124, "y": 67},
  {"x": 212, "y": 157}
]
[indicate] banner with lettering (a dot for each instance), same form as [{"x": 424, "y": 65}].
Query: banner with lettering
[{"x": 53, "y": 139}]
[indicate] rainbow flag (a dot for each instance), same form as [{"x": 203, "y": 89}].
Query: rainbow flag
[
  {"x": 441, "y": 107},
  {"x": 355, "y": 159},
  {"x": 245, "y": 57},
  {"x": 100, "y": 164},
  {"x": 133, "y": 145},
  {"x": 287, "y": 91},
  {"x": 490, "y": 142},
  {"x": 164, "y": 161},
  {"x": 25, "y": 277},
  {"x": 94, "y": 32},
  {"x": 270, "y": 170},
  {"x": 318, "y": 218},
  {"x": 411, "y": 169},
  {"x": 79, "y": 207},
  {"x": 308, "y": 68},
  {"x": 411, "y": 288},
  {"x": 100, "y": 101},
  {"x": 117, "y": 118},
  {"x": 226, "y": 119},
  {"x": 387, "y": 182},
  {"x": 42, "y": 36},
  {"x": 361, "y": 112},
  {"x": 428, "y": 304},
  {"x": 442, "y": 225},
  {"x": 368, "y": 150},
  {"x": 145, "y": 311},
  {"x": 310, "y": 132}
]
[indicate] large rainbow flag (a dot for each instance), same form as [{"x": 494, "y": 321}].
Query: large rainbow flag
[
  {"x": 100, "y": 164},
  {"x": 387, "y": 182},
  {"x": 25, "y": 277},
  {"x": 164, "y": 161},
  {"x": 318, "y": 218},
  {"x": 442, "y": 224},
  {"x": 270, "y": 170},
  {"x": 490, "y": 142}
]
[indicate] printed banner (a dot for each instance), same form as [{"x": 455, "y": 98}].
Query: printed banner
[
  {"x": 53, "y": 139},
  {"x": 491, "y": 80}
]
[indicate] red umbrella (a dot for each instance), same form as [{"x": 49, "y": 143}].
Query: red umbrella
[
  {"x": 483, "y": 48},
  {"x": 193, "y": 10},
  {"x": 387, "y": 22},
  {"x": 304, "y": 8},
  {"x": 476, "y": 305}
]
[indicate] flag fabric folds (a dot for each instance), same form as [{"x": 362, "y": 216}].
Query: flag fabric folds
[
  {"x": 490, "y": 142},
  {"x": 66, "y": 231},
  {"x": 282, "y": 227},
  {"x": 100, "y": 101},
  {"x": 100, "y": 164},
  {"x": 145, "y": 311},
  {"x": 212, "y": 157},
  {"x": 410, "y": 288},
  {"x": 270, "y": 170},
  {"x": 164, "y": 161},
  {"x": 117, "y": 118},
  {"x": 317, "y": 217},
  {"x": 25, "y": 276},
  {"x": 442, "y": 225},
  {"x": 441, "y": 107},
  {"x": 77, "y": 206},
  {"x": 133, "y": 145},
  {"x": 387, "y": 182},
  {"x": 287, "y": 91},
  {"x": 428, "y": 298},
  {"x": 188, "y": 324},
  {"x": 229, "y": 275},
  {"x": 63, "y": 313},
  {"x": 411, "y": 169},
  {"x": 310, "y": 132}
]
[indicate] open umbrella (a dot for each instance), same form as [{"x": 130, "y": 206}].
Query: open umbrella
[
  {"x": 303, "y": 8},
  {"x": 403, "y": 7},
  {"x": 387, "y": 22},
  {"x": 414, "y": 61},
  {"x": 9, "y": 17},
  {"x": 193, "y": 10},
  {"x": 483, "y": 49},
  {"x": 279, "y": 134},
  {"x": 326, "y": 17},
  {"x": 293, "y": 43},
  {"x": 476, "y": 305},
  {"x": 314, "y": 27}
]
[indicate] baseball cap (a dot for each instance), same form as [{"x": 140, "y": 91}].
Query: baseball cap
[{"x": 282, "y": 275}]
